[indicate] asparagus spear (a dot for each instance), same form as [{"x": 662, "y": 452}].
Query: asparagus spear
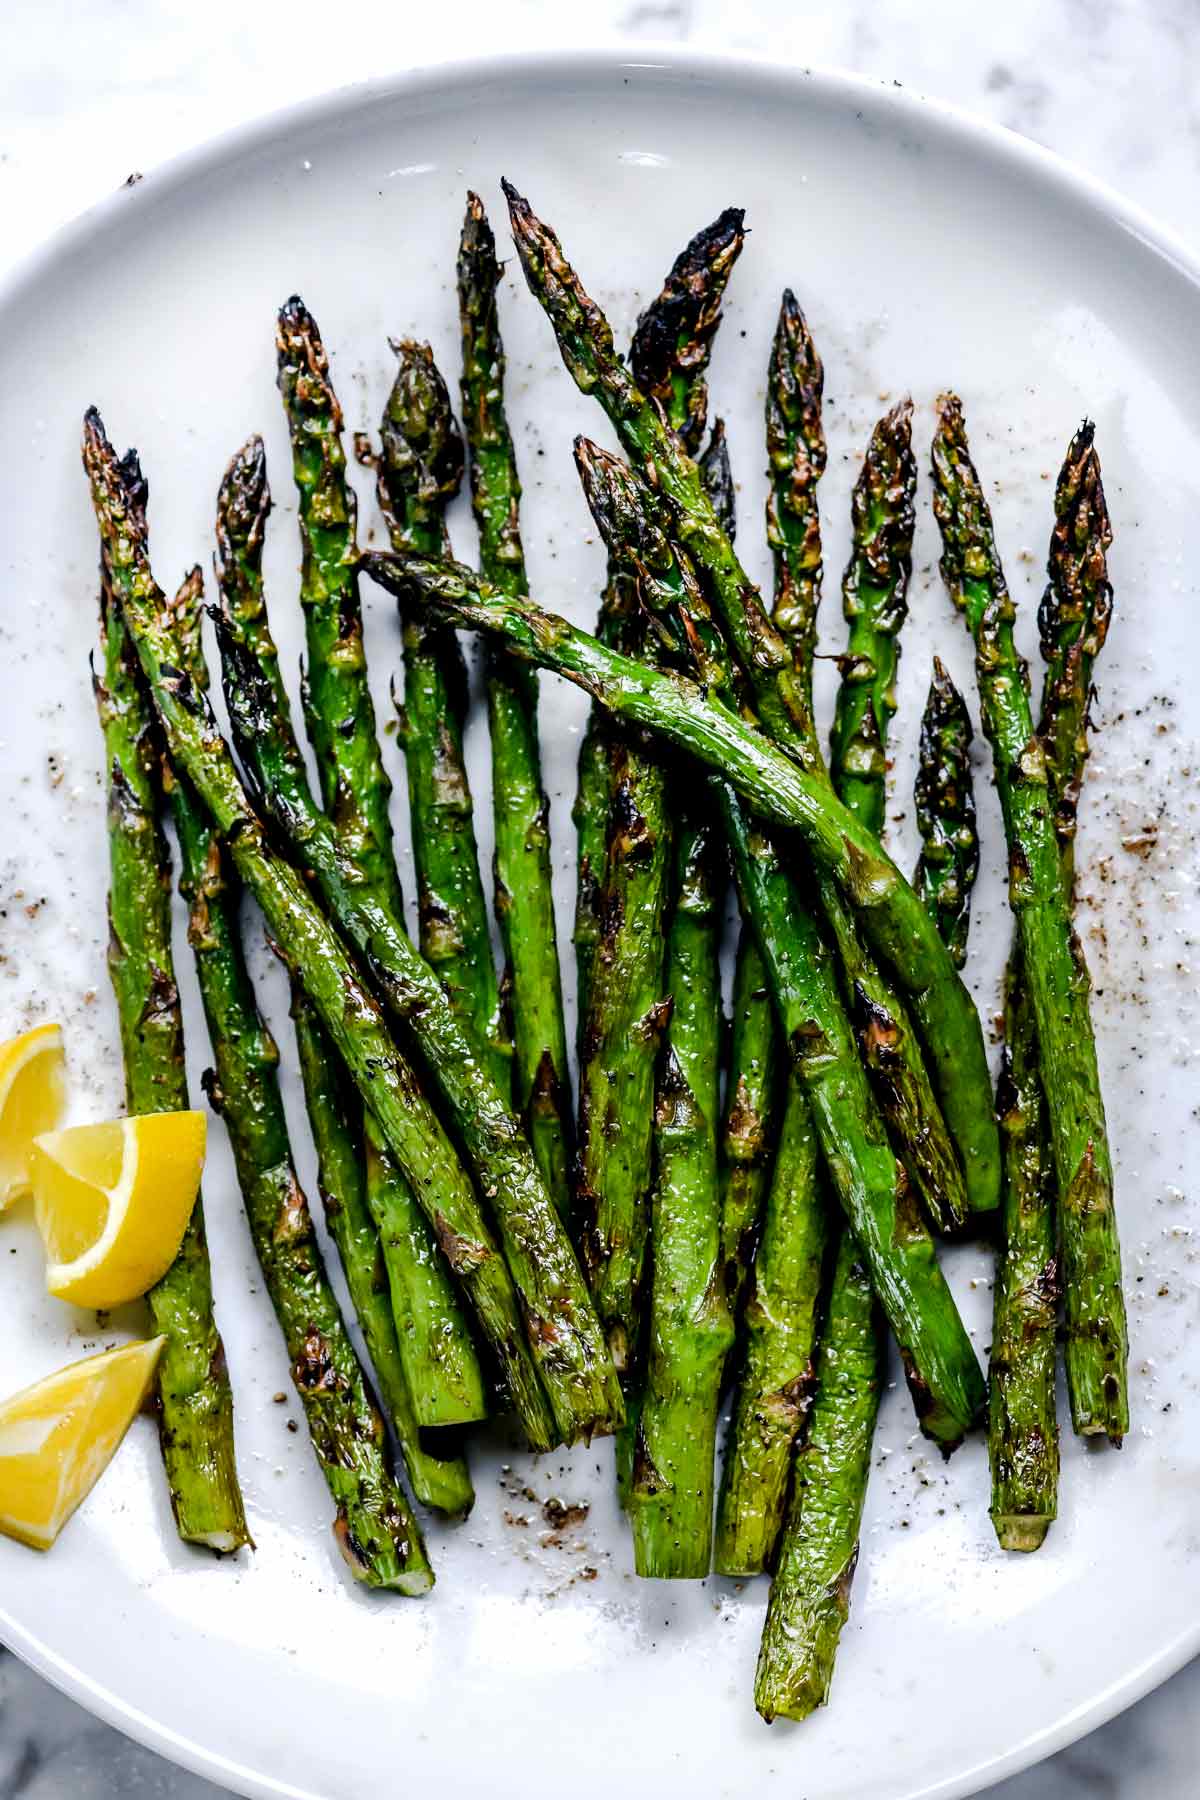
[
  {"x": 780, "y": 1319},
  {"x": 674, "y": 338},
  {"x": 594, "y": 789},
  {"x": 796, "y": 454},
  {"x": 753, "y": 1089},
  {"x": 564, "y": 1333},
  {"x": 810, "y": 1594},
  {"x": 819, "y": 1547},
  {"x": 620, "y": 1045},
  {"x": 875, "y": 602},
  {"x": 312, "y": 950},
  {"x": 437, "y": 1476},
  {"x": 869, "y": 1180},
  {"x": 418, "y": 471},
  {"x": 689, "y": 1327},
  {"x": 779, "y": 1326},
  {"x": 194, "y": 1396},
  {"x": 589, "y": 815},
  {"x": 1023, "y": 1437},
  {"x": 1073, "y": 622},
  {"x": 338, "y": 704},
  {"x": 717, "y": 470},
  {"x": 442, "y": 1374},
  {"x": 874, "y": 589},
  {"x": 624, "y": 958},
  {"x": 523, "y": 899},
  {"x": 1022, "y": 1413},
  {"x": 750, "y": 1124},
  {"x": 374, "y": 1525},
  {"x": 1022, "y": 1427},
  {"x": 674, "y": 341},
  {"x": 948, "y": 1024},
  {"x": 1053, "y": 966},
  {"x": 945, "y": 807}
]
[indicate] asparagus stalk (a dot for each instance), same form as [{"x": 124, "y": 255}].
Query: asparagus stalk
[
  {"x": 673, "y": 342},
  {"x": 338, "y": 704},
  {"x": 373, "y": 1525},
  {"x": 810, "y": 1594},
  {"x": 779, "y": 1327},
  {"x": 819, "y": 1548},
  {"x": 753, "y": 1089},
  {"x": 594, "y": 790},
  {"x": 443, "y": 1378},
  {"x": 1073, "y": 622},
  {"x": 1022, "y": 1426},
  {"x": 418, "y": 472},
  {"x": 1022, "y": 1411},
  {"x": 437, "y": 1476},
  {"x": 1053, "y": 966},
  {"x": 624, "y": 958},
  {"x": 797, "y": 456},
  {"x": 689, "y": 1327},
  {"x": 771, "y": 1162},
  {"x": 752, "y": 1107},
  {"x": 945, "y": 808},
  {"x": 717, "y": 470},
  {"x": 312, "y": 950},
  {"x": 875, "y": 602},
  {"x": 874, "y": 588},
  {"x": 195, "y": 1403},
  {"x": 619, "y": 1050},
  {"x": 523, "y": 899},
  {"x": 1023, "y": 1437},
  {"x": 780, "y": 1319},
  {"x": 868, "y": 1178},
  {"x": 589, "y": 815},
  {"x": 948, "y": 1024}
]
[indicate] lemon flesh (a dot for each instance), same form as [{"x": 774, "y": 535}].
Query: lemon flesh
[
  {"x": 33, "y": 1095},
  {"x": 113, "y": 1201},
  {"x": 58, "y": 1437}
]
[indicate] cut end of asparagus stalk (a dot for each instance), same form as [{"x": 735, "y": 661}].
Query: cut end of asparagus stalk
[{"x": 1021, "y": 1533}]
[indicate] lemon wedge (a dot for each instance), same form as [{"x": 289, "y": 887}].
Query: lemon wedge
[
  {"x": 58, "y": 1437},
  {"x": 33, "y": 1094},
  {"x": 113, "y": 1202}
]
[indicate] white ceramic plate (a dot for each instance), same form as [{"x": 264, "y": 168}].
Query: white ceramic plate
[{"x": 928, "y": 251}]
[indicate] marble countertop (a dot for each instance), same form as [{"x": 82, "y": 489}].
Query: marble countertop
[{"x": 93, "y": 90}]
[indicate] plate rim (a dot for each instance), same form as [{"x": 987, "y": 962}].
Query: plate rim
[{"x": 448, "y": 76}]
